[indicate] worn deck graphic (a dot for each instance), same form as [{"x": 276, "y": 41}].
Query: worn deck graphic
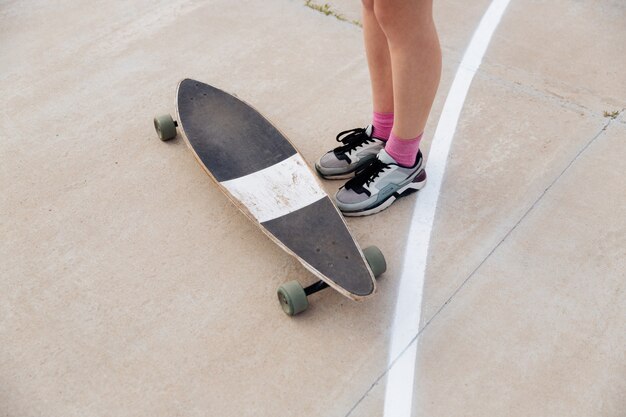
[{"x": 277, "y": 190}]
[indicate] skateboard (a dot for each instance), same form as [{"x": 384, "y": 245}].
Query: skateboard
[{"x": 265, "y": 177}]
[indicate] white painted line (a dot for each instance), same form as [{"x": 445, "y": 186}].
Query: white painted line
[
  {"x": 277, "y": 190},
  {"x": 403, "y": 347}
]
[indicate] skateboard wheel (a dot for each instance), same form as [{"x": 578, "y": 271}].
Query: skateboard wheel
[
  {"x": 376, "y": 260},
  {"x": 292, "y": 298},
  {"x": 165, "y": 127}
]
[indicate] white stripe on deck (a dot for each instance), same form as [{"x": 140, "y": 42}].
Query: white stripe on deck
[
  {"x": 402, "y": 352},
  {"x": 277, "y": 190}
]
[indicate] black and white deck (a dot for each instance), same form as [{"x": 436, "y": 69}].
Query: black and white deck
[{"x": 261, "y": 170}]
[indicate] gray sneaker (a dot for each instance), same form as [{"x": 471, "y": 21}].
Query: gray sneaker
[
  {"x": 378, "y": 185},
  {"x": 359, "y": 148}
]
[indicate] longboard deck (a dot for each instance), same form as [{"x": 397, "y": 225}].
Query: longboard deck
[{"x": 260, "y": 170}]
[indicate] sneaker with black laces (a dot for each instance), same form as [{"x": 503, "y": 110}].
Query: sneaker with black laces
[
  {"x": 379, "y": 184},
  {"x": 358, "y": 149}
]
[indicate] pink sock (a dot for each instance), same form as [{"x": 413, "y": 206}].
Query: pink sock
[
  {"x": 404, "y": 151},
  {"x": 382, "y": 122}
]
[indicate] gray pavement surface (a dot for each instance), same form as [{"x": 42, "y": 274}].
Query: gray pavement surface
[{"x": 130, "y": 285}]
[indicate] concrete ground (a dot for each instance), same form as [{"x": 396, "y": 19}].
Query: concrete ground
[{"x": 131, "y": 286}]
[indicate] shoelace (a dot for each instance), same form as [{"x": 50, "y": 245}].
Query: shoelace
[
  {"x": 366, "y": 176},
  {"x": 351, "y": 139}
]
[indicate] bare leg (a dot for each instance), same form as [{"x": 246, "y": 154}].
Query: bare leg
[
  {"x": 404, "y": 60},
  {"x": 415, "y": 57},
  {"x": 378, "y": 60}
]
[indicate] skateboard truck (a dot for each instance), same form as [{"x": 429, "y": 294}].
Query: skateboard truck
[{"x": 313, "y": 288}]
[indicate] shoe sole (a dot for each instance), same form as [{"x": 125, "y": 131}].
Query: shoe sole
[
  {"x": 417, "y": 184},
  {"x": 343, "y": 176}
]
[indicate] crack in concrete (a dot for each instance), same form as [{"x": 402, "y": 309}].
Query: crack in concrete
[
  {"x": 327, "y": 10},
  {"x": 469, "y": 277},
  {"x": 537, "y": 93}
]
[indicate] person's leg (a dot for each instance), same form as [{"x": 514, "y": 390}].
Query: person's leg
[
  {"x": 415, "y": 57},
  {"x": 360, "y": 146},
  {"x": 378, "y": 60},
  {"x": 379, "y": 64}
]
